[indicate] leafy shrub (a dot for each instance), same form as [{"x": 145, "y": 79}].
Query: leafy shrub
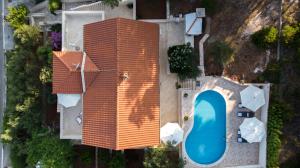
[
  {"x": 46, "y": 75},
  {"x": 50, "y": 151},
  {"x": 182, "y": 61},
  {"x": 27, "y": 35},
  {"x": 265, "y": 38},
  {"x": 289, "y": 33},
  {"x": 114, "y": 160},
  {"x": 278, "y": 113},
  {"x": 222, "y": 53},
  {"x": 17, "y": 159},
  {"x": 111, "y": 3},
  {"x": 17, "y": 16},
  {"x": 162, "y": 157},
  {"x": 117, "y": 161},
  {"x": 54, "y": 5}
]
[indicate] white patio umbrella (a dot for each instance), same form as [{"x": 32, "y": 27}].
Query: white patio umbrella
[
  {"x": 172, "y": 133},
  {"x": 252, "y": 98},
  {"x": 68, "y": 100},
  {"x": 252, "y": 130}
]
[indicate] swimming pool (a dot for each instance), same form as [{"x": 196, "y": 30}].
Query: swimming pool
[{"x": 205, "y": 142}]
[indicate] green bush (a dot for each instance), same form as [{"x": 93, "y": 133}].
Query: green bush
[
  {"x": 162, "y": 157},
  {"x": 117, "y": 161},
  {"x": 50, "y": 151},
  {"x": 17, "y": 160},
  {"x": 111, "y": 3},
  {"x": 222, "y": 53},
  {"x": 183, "y": 61},
  {"x": 54, "y": 5},
  {"x": 17, "y": 16},
  {"x": 26, "y": 35},
  {"x": 265, "y": 38},
  {"x": 278, "y": 113},
  {"x": 46, "y": 75},
  {"x": 289, "y": 33}
]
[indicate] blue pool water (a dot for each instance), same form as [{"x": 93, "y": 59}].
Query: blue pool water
[{"x": 206, "y": 142}]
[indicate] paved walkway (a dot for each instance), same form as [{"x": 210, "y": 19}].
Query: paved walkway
[{"x": 170, "y": 34}]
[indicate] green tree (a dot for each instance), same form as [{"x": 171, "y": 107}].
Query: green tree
[
  {"x": 222, "y": 53},
  {"x": 265, "y": 38},
  {"x": 111, "y": 3},
  {"x": 27, "y": 35},
  {"x": 162, "y": 157},
  {"x": 54, "y": 5},
  {"x": 49, "y": 151},
  {"x": 183, "y": 61},
  {"x": 17, "y": 16},
  {"x": 289, "y": 33}
]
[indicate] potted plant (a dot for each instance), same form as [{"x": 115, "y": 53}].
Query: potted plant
[
  {"x": 185, "y": 118},
  {"x": 185, "y": 95}
]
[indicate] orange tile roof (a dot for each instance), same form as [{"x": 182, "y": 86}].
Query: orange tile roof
[
  {"x": 122, "y": 114},
  {"x": 66, "y": 72},
  {"x": 118, "y": 113}
]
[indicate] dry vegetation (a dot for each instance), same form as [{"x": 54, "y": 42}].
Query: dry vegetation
[{"x": 234, "y": 22}]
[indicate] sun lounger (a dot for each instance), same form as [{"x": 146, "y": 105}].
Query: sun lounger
[
  {"x": 240, "y": 139},
  {"x": 245, "y": 114}
]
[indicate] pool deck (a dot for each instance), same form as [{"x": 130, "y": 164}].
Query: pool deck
[{"x": 236, "y": 154}]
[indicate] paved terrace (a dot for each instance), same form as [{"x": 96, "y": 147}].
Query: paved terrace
[
  {"x": 237, "y": 154},
  {"x": 69, "y": 127},
  {"x": 171, "y": 33}
]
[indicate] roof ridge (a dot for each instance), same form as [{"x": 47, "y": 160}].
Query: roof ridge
[{"x": 90, "y": 84}]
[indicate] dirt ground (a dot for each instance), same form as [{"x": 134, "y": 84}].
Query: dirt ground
[{"x": 233, "y": 23}]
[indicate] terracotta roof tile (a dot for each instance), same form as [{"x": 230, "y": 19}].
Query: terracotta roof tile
[
  {"x": 66, "y": 72},
  {"x": 122, "y": 114}
]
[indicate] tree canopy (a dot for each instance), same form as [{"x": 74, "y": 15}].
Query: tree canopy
[
  {"x": 17, "y": 16},
  {"x": 49, "y": 151},
  {"x": 182, "y": 61},
  {"x": 221, "y": 52},
  {"x": 265, "y": 38}
]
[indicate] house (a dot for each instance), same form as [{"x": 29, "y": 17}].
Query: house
[{"x": 112, "y": 85}]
